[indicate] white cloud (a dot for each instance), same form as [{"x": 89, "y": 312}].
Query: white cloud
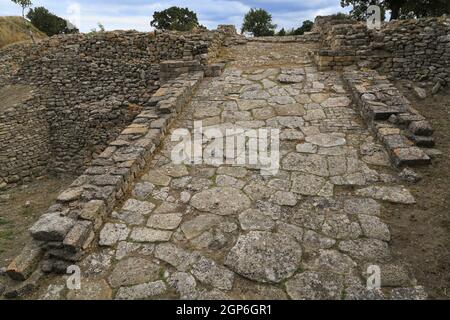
[{"x": 136, "y": 14}]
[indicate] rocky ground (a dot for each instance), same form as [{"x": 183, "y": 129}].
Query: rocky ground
[
  {"x": 221, "y": 232},
  {"x": 421, "y": 232},
  {"x": 20, "y": 207}
]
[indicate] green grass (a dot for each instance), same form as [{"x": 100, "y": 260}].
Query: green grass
[
  {"x": 3, "y": 221},
  {"x": 27, "y": 211}
]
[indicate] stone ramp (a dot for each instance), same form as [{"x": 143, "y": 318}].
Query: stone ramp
[{"x": 228, "y": 232}]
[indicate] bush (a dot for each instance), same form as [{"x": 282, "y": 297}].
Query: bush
[
  {"x": 48, "y": 22},
  {"x": 259, "y": 23},
  {"x": 175, "y": 18}
]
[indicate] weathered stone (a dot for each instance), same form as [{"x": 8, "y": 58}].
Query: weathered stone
[
  {"x": 133, "y": 271},
  {"x": 264, "y": 256},
  {"x": 306, "y": 163},
  {"x": 306, "y": 148},
  {"x": 141, "y": 291},
  {"x": 175, "y": 256},
  {"x": 25, "y": 263},
  {"x": 184, "y": 284},
  {"x": 112, "y": 233},
  {"x": 209, "y": 273},
  {"x": 390, "y": 194},
  {"x": 338, "y": 226},
  {"x": 70, "y": 195},
  {"x": 409, "y": 175},
  {"x": 80, "y": 236},
  {"x": 411, "y": 156},
  {"x": 139, "y": 207},
  {"x": 372, "y": 227},
  {"x": 411, "y": 293},
  {"x": 315, "y": 286},
  {"x": 157, "y": 178},
  {"x": 306, "y": 184},
  {"x": 130, "y": 218},
  {"x": 313, "y": 240},
  {"x": 93, "y": 210},
  {"x": 362, "y": 206},
  {"x": 141, "y": 234},
  {"x": 326, "y": 140},
  {"x": 167, "y": 221},
  {"x": 199, "y": 224},
  {"x": 365, "y": 249},
  {"x": 420, "y": 92},
  {"x": 253, "y": 219},
  {"x": 91, "y": 290},
  {"x": 330, "y": 260},
  {"x": 51, "y": 227},
  {"x": 284, "y": 198},
  {"x": 421, "y": 128},
  {"x": 142, "y": 190},
  {"x": 221, "y": 201},
  {"x": 174, "y": 170}
]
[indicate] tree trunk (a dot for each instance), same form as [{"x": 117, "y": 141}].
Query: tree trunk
[
  {"x": 395, "y": 7},
  {"x": 30, "y": 32}
]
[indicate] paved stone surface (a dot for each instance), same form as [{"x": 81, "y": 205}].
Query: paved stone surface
[{"x": 203, "y": 231}]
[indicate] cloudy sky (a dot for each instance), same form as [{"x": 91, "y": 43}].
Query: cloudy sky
[{"x": 136, "y": 14}]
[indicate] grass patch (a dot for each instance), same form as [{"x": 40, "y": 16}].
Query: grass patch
[
  {"x": 27, "y": 211},
  {"x": 14, "y": 29},
  {"x": 6, "y": 235},
  {"x": 3, "y": 221}
]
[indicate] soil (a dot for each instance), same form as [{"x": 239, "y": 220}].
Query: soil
[
  {"x": 16, "y": 216},
  {"x": 421, "y": 233}
]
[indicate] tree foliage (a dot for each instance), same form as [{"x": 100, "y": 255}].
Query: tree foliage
[
  {"x": 306, "y": 27},
  {"x": 24, "y": 4},
  {"x": 48, "y": 22},
  {"x": 400, "y": 9},
  {"x": 282, "y": 33},
  {"x": 259, "y": 23},
  {"x": 175, "y": 18}
]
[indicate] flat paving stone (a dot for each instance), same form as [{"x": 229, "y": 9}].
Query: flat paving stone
[
  {"x": 221, "y": 201},
  {"x": 225, "y": 231},
  {"x": 265, "y": 256}
]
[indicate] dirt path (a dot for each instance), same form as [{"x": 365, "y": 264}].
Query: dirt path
[
  {"x": 421, "y": 233},
  {"x": 308, "y": 231},
  {"x": 20, "y": 208}
]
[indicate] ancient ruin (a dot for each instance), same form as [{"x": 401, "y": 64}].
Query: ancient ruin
[{"x": 103, "y": 107}]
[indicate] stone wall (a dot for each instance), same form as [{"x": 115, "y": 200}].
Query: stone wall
[
  {"x": 402, "y": 130},
  {"x": 88, "y": 88},
  {"x": 407, "y": 49},
  {"x": 120, "y": 94},
  {"x": 69, "y": 228},
  {"x": 24, "y": 138}
]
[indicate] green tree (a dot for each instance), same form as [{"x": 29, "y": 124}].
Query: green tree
[
  {"x": 48, "y": 22},
  {"x": 281, "y": 33},
  {"x": 399, "y": 8},
  {"x": 175, "y": 18},
  {"x": 25, "y": 4},
  {"x": 306, "y": 27},
  {"x": 259, "y": 23}
]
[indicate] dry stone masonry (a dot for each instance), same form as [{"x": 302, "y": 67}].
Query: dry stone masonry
[
  {"x": 406, "y": 49},
  {"x": 86, "y": 89},
  {"x": 141, "y": 227}
]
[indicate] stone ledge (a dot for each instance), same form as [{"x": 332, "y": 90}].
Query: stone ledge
[
  {"x": 69, "y": 227},
  {"x": 391, "y": 117}
]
